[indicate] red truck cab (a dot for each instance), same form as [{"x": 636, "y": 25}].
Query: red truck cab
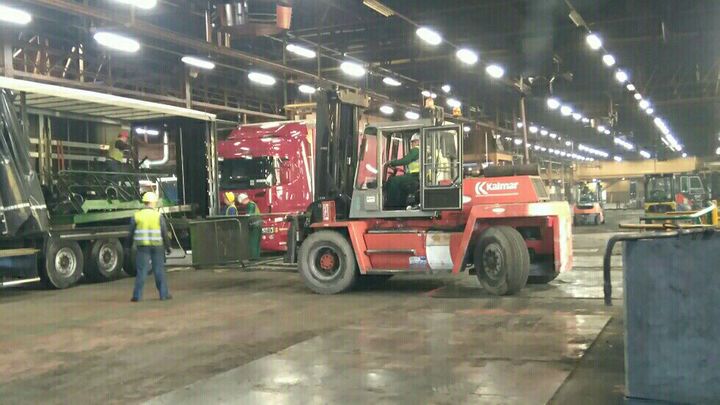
[{"x": 273, "y": 164}]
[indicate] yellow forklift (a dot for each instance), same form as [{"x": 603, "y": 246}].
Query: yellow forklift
[{"x": 674, "y": 192}]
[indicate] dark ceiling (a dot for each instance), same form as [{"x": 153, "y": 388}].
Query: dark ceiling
[{"x": 669, "y": 48}]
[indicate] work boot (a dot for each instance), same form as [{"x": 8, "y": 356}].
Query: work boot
[{"x": 169, "y": 297}]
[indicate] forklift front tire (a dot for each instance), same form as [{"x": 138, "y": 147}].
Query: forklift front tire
[
  {"x": 326, "y": 262},
  {"x": 502, "y": 260}
]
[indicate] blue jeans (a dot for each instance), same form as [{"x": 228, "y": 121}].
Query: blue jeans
[{"x": 146, "y": 255}]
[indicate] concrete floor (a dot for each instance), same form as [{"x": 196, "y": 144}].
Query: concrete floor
[{"x": 259, "y": 336}]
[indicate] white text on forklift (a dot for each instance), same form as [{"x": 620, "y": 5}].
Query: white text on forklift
[{"x": 485, "y": 188}]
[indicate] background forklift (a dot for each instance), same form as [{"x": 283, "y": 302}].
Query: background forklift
[
  {"x": 588, "y": 205},
  {"x": 674, "y": 192},
  {"x": 504, "y": 227}
]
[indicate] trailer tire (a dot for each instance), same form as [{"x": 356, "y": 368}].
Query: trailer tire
[
  {"x": 502, "y": 260},
  {"x": 326, "y": 263},
  {"x": 63, "y": 263},
  {"x": 597, "y": 219},
  {"x": 129, "y": 262},
  {"x": 105, "y": 259}
]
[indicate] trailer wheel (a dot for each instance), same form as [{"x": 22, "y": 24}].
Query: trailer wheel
[
  {"x": 597, "y": 219},
  {"x": 502, "y": 260},
  {"x": 105, "y": 259},
  {"x": 129, "y": 262},
  {"x": 63, "y": 263},
  {"x": 326, "y": 263}
]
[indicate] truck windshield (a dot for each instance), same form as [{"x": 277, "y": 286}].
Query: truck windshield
[
  {"x": 658, "y": 189},
  {"x": 257, "y": 172}
]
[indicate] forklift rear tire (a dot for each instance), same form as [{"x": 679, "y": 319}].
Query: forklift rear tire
[
  {"x": 63, "y": 264},
  {"x": 326, "y": 262},
  {"x": 502, "y": 260},
  {"x": 105, "y": 260}
]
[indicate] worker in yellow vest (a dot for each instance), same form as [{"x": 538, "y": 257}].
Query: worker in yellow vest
[
  {"x": 254, "y": 223},
  {"x": 399, "y": 187},
  {"x": 230, "y": 208},
  {"x": 148, "y": 231},
  {"x": 119, "y": 153}
]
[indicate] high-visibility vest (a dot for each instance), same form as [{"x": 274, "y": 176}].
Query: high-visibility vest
[
  {"x": 148, "y": 231},
  {"x": 116, "y": 154},
  {"x": 231, "y": 211},
  {"x": 414, "y": 167}
]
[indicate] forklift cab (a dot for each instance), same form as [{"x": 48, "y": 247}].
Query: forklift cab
[{"x": 439, "y": 183}]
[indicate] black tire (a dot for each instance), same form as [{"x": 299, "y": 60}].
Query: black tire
[
  {"x": 542, "y": 279},
  {"x": 63, "y": 263},
  {"x": 105, "y": 260},
  {"x": 326, "y": 263},
  {"x": 502, "y": 260},
  {"x": 597, "y": 219},
  {"x": 129, "y": 262}
]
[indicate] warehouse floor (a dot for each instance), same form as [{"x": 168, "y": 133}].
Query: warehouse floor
[{"x": 259, "y": 336}]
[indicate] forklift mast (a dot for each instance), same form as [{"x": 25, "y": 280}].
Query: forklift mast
[{"x": 336, "y": 148}]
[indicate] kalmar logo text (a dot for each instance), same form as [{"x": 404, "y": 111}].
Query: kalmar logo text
[{"x": 485, "y": 188}]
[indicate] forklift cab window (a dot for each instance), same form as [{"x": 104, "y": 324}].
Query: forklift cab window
[
  {"x": 696, "y": 184},
  {"x": 368, "y": 168},
  {"x": 659, "y": 189},
  {"x": 442, "y": 166}
]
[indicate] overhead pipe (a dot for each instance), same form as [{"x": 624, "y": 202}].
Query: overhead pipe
[{"x": 166, "y": 153}]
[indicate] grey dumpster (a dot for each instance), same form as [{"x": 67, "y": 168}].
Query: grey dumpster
[{"x": 672, "y": 318}]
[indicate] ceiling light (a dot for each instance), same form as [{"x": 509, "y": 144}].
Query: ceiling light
[
  {"x": 553, "y": 103},
  {"x": 14, "y": 15},
  {"x": 117, "y": 42},
  {"x": 144, "y": 4},
  {"x": 446, "y": 88},
  {"x": 684, "y": 155},
  {"x": 625, "y": 144},
  {"x": 608, "y": 60},
  {"x": 630, "y": 87},
  {"x": 495, "y": 71},
  {"x": 533, "y": 129},
  {"x": 387, "y": 110},
  {"x": 379, "y": 7},
  {"x": 433, "y": 95},
  {"x": 568, "y": 143},
  {"x": 617, "y": 158},
  {"x": 553, "y": 135},
  {"x": 661, "y": 125},
  {"x": 301, "y": 51},
  {"x": 645, "y": 154},
  {"x": 429, "y": 36},
  {"x": 451, "y": 102},
  {"x": 621, "y": 76},
  {"x": 649, "y": 111},
  {"x": 353, "y": 69},
  {"x": 425, "y": 93},
  {"x": 198, "y": 62},
  {"x": 607, "y": 132},
  {"x": 543, "y": 149},
  {"x": 566, "y": 110},
  {"x": 519, "y": 125},
  {"x": 412, "y": 115},
  {"x": 392, "y": 82},
  {"x": 518, "y": 142},
  {"x": 637, "y": 96},
  {"x": 261, "y": 78},
  {"x": 536, "y": 147},
  {"x": 585, "y": 120},
  {"x": 577, "y": 116},
  {"x": 543, "y": 132},
  {"x": 593, "y": 41},
  {"x": 644, "y": 104},
  {"x": 467, "y": 128},
  {"x": 467, "y": 56},
  {"x": 304, "y": 88}
]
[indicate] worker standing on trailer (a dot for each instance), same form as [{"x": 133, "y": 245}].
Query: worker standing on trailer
[
  {"x": 149, "y": 232},
  {"x": 254, "y": 223},
  {"x": 230, "y": 208},
  {"x": 119, "y": 153},
  {"x": 399, "y": 187}
]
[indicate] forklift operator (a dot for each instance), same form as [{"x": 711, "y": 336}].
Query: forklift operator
[{"x": 400, "y": 187}]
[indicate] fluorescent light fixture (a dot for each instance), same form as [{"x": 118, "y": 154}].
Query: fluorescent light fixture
[
  {"x": 392, "y": 82},
  {"x": 563, "y": 153},
  {"x": 645, "y": 154},
  {"x": 425, "y": 93},
  {"x": 566, "y": 110},
  {"x": 301, "y": 51},
  {"x": 117, "y": 42},
  {"x": 353, "y": 69},
  {"x": 593, "y": 151},
  {"x": 261, "y": 78},
  {"x": 621, "y": 76},
  {"x": 608, "y": 60},
  {"x": 387, "y": 110},
  {"x": 519, "y": 125},
  {"x": 517, "y": 142},
  {"x": 649, "y": 111},
  {"x": 543, "y": 149},
  {"x": 553, "y": 103},
  {"x": 467, "y": 56},
  {"x": 553, "y": 135},
  {"x": 544, "y": 132},
  {"x": 146, "y": 131},
  {"x": 660, "y": 124},
  {"x": 14, "y": 15},
  {"x": 625, "y": 144},
  {"x": 467, "y": 128},
  {"x": 617, "y": 158},
  {"x": 644, "y": 104},
  {"x": 594, "y": 41},
  {"x": 198, "y": 62},
  {"x": 533, "y": 129},
  {"x": 307, "y": 89},
  {"x": 454, "y": 103},
  {"x": 446, "y": 88},
  {"x": 537, "y": 147},
  {"x": 495, "y": 71},
  {"x": 607, "y": 132},
  {"x": 637, "y": 96},
  {"x": 428, "y": 35},
  {"x": 601, "y": 128},
  {"x": 630, "y": 87},
  {"x": 577, "y": 116},
  {"x": 412, "y": 115},
  {"x": 379, "y": 7},
  {"x": 568, "y": 143},
  {"x": 585, "y": 120},
  {"x": 684, "y": 155},
  {"x": 143, "y": 4}
]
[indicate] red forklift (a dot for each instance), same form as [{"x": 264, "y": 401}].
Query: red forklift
[{"x": 501, "y": 227}]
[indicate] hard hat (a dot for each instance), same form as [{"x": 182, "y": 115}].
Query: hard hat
[
  {"x": 230, "y": 196},
  {"x": 123, "y": 134},
  {"x": 149, "y": 197},
  {"x": 242, "y": 197},
  {"x": 415, "y": 137}
]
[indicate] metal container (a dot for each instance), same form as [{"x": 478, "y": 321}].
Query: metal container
[
  {"x": 672, "y": 318},
  {"x": 219, "y": 241}
]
